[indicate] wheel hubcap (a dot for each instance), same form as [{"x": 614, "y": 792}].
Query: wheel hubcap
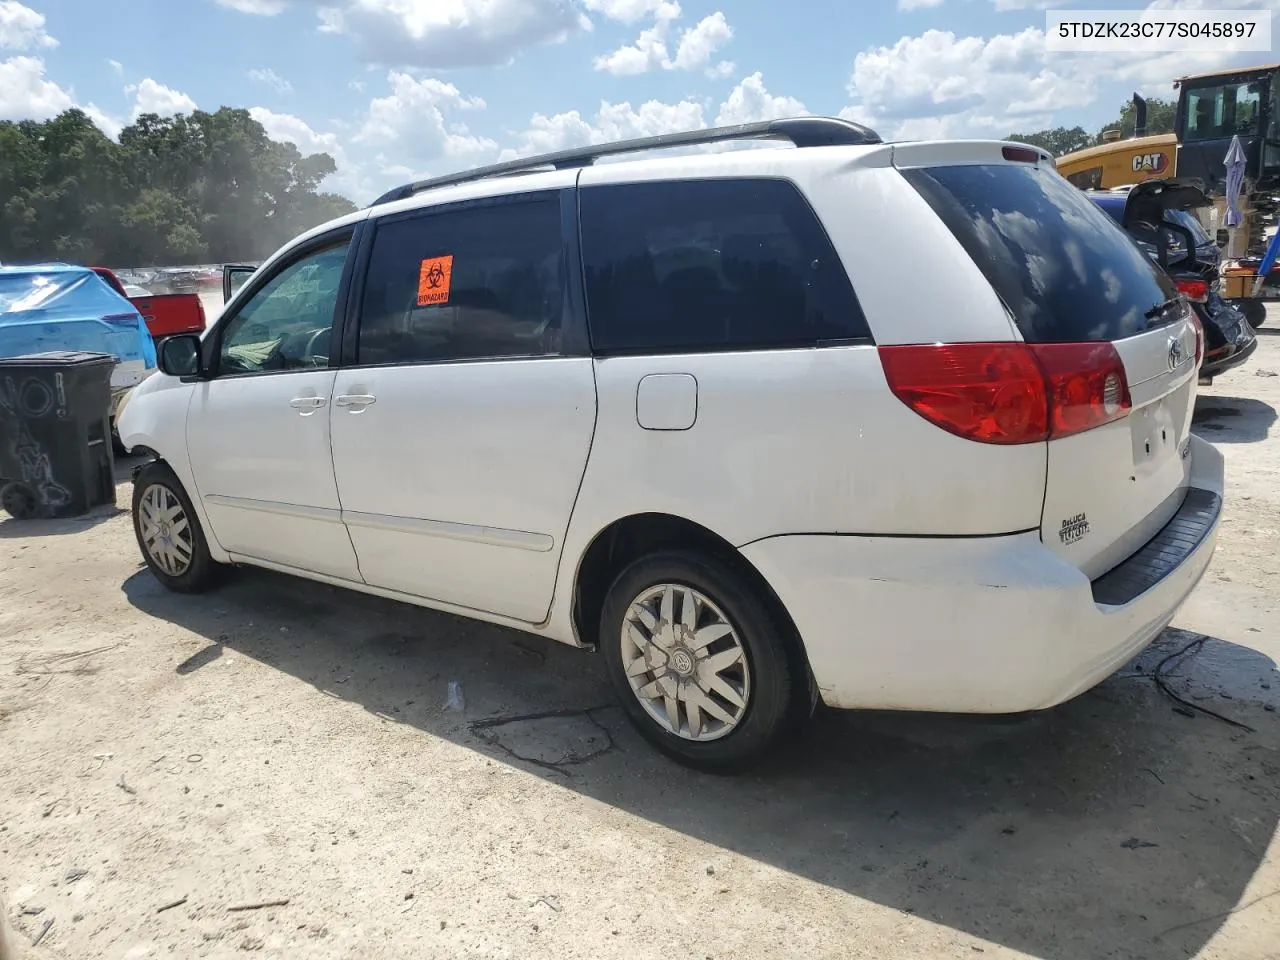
[
  {"x": 685, "y": 662},
  {"x": 165, "y": 529}
]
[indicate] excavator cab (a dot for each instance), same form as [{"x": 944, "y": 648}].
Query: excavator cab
[{"x": 1213, "y": 108}]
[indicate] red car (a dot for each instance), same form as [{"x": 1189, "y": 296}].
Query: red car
[{"x": 165, "y": 314}]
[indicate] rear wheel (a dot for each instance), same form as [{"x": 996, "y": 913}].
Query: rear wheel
[
  {"x": 1255, "y": 311},
  {"x": 701, "y": 665},
  {"x": 117, "y": 445},
  {"x": 169, "y": 533},
  {"x": 19, "y": 500}
]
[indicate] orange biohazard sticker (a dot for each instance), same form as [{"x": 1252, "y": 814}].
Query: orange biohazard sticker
[{"x": 434, "y": 277}]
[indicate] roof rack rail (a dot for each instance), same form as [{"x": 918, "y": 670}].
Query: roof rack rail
[{"x": 801, "y": 131}]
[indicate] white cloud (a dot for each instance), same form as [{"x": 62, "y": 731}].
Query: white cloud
[
  {"x": 649, "y": 52},
  {"x": 25, "y": 94},
  {"x": 694, "y": 47},
  {"x": 22, "y": 28},
  {"x": 295, "y": 130},
  {"x": 265, "y": 8},
  {"x": 1213, "y": 5},
  {"x": 749, "y": 102},
  {"x": 940, "y": 85},
  {"x": 413, "y": 117},
  {"x": 926, "y": 4},
  {"x": 350, "y": 179},
  {"x": 107, "y": 123},
  {"x": 612, "y": 121},
  {"x": 153, "y": 97},
  {"x": 629, "y": 11},
  {"x": 699, "y": 43},
  {"x": 722, "y": 70},
  {"x": 270, "y": 78},
  {"x": 116, "y": 67},
  {"x": 449, "y": 34},
  {"x": 1153, "y": 74}
]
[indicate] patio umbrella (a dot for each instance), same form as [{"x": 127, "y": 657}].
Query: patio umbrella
[{"x": 1234, "y": 163}]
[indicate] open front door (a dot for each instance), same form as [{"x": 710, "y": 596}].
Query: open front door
[{"x": 234, "y": 276}]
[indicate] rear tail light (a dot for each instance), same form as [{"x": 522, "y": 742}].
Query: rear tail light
[
  {"x": 990, "y": 392},
  {"x": 1009, "y": 393},
  {"x": 1197, "y": 290},
  {"x": 1086, "y": 384}
]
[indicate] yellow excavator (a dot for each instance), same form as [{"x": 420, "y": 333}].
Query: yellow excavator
[{"x": 1212, "y": 109}]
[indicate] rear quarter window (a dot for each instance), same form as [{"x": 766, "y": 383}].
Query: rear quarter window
[
  {"x": 1064, "y": 269},
  {"x": 711, "y": 265}
]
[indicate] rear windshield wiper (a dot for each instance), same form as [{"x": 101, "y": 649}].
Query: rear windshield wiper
[{"x": 1159, "y": 310}]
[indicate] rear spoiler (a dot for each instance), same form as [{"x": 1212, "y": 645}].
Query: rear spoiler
[{"x": 947, "y": 153}]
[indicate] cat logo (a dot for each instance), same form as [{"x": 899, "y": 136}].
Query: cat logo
[{"x": 1150, "y": 163}]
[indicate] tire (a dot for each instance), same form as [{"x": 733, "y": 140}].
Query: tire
[
  {"x": 19, "y": 500},
  {"x": 765, "y": 692},
  {"x": 1255, "y": 311},
  {"x": 179, "y": 556},
  {"x": 117, "y": 445}
]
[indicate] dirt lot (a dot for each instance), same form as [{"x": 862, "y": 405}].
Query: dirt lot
[{"x": 165, "y": 760}]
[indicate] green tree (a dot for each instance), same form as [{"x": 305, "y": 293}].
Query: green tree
[
  {"x": 1160, "y": 118},
  {"x": 1062, "y": 140},
  {"x": 1058, "y": 141},
  {"x": 171, "y": 190}
]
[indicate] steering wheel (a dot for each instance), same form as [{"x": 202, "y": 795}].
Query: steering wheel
[{"x": 317, "y": 360}]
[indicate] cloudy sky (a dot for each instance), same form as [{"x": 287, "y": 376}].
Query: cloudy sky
[{"x": 396, "y": 89}]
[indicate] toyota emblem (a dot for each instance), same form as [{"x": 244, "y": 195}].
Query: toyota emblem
[{"x": 1175, "y": 353}]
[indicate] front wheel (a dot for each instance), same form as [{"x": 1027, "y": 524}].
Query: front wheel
[
  {"x": 703, "y": 668},
  {"x": 169, "y": 533}
]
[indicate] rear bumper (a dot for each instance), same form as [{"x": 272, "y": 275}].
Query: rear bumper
[
  {"x": 1234, "y": 356},
  {"x": 982, "y": 625}
]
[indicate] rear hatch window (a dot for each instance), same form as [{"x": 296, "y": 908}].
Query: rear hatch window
[{"x": 1064, "y": 269}]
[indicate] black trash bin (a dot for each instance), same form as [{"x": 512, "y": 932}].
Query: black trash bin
[{"x": 55, "y": 434}]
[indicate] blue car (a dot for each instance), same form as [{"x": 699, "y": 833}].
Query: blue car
[
  {"x": 48, "y": 307},
  {"x": 1229, "y": 340},
  {"x": 1175, "y": 202}
]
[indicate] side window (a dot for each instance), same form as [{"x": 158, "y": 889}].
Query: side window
[
  {"x": 472, "y": 283},
  {"x": 711, "y": 265},
  {"x": 287, "y": 324},
  {"x": 1090, "y": 179}
]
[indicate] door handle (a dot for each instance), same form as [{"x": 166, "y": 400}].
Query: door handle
[
  {"x": 307, "y": 403},
  {"x": 356, "y": 400}
]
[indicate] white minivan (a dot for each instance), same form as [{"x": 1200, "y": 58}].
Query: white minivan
[{"x": 883, "y": 425}]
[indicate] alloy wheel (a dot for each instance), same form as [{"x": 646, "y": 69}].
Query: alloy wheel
[
  {"x": 685, "y": 662},
  {"x": 166, "y": 530}
]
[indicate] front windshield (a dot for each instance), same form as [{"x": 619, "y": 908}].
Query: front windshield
[{"x": 1223, "y": 111}]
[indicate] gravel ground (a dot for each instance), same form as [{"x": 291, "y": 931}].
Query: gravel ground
[{"x": 165, "y": 761}]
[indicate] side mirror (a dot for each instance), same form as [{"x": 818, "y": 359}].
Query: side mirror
[{"x": 179, "y": 356}]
